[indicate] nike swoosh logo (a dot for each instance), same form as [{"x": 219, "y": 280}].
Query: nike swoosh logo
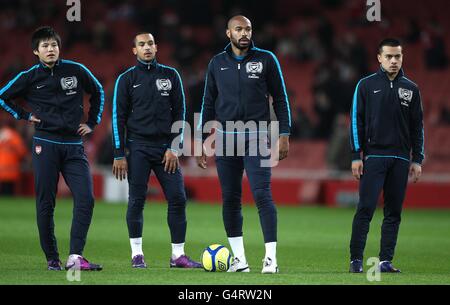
[
  {"x": 222, "y": 69},
  {"x": 39, "y": 87},
  {"x": 376, "y": 91},
  {"x": 135, "y": 86}
]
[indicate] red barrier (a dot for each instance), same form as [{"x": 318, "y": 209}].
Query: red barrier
[
  {"x": 207, "y": 189},
  {"x": 285, "y": 191},
  {"x": 418, "y": 195},
  {"x": 26, "y": 186}
]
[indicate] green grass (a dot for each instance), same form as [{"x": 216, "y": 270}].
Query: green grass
[{"x": 312, "y": 246}]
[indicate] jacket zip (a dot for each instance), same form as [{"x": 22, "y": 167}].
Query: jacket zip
[
  {"x": 396, "y": 122},
  {"x": 58, "y": 105},
  {"x": 239, "y": 89}
]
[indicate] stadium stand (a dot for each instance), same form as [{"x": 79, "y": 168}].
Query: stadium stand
[{"x": 324, "y": 47}]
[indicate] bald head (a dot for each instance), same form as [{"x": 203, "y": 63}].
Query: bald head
[
  {"x": 239, "y": 19},
  {"x": 239, "y": 32}
]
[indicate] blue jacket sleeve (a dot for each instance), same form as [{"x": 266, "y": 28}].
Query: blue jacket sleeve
[
  {"x": 357, "y": 121},
  {"x": 97, "y": 100},
  {"x": 178, "y": 104},
  {"x": 416, "y": 129},
  {"x": 120, "y": 109},
  {"x": 277, "y": 90},
  {"x": 209, "y": 98},
  {"x": 17, "y": 87}
]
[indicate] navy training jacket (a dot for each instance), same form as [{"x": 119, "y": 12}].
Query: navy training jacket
[
  {"x": 148, "y": 99},
  {"x": 238, "y": 90},
  {"x": 387, "y": 118},
  {"x": 55, "y": 96}
]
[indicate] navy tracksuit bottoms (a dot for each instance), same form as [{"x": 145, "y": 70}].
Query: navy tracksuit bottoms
[
  {"x": 230, "y": 169},
  {"x": 49, "y": 160},
  {"x": 390, "y": 175},
  {"x": 142, "y": 159}
]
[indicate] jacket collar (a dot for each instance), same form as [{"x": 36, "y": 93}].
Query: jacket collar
[
  {"x": 46, "y": 68},
  {"x": 250, "y": 52},
  {"x": 147, "y": 65},
  {"x": 382, "y": 72}
]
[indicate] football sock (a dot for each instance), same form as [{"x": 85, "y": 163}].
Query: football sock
[
  {"x": 177, "y": 250},
  {"x": 136, "y": 246},
  {"x": 271, "y": 251},
  {"x": 237, "y": 246},
  {"x": 73, "y": 257}
]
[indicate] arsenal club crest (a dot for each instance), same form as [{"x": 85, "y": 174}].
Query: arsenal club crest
[
  {"x": 38, "y": 149},
  {"x": 69, "y": 83},
  {"x": 164, "y": 85},
  {"x": 405, "y": 96},
  {"x": 254, "y": 68}
]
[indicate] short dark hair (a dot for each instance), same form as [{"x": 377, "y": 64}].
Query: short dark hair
[
  {"x": 140, "y": 33},
  {"x": 388, "y": 42},
  {"x": 42, "y": 34}
]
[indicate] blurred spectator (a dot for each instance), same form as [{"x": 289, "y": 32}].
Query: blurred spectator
[
  {"x": 325, "y": 34},
  {"x": 12, "y": 152},
  {"x": 301, "y": 125},
  {"x": 309, "y": 47},
  {"x": 106, "y": 153},
  {"x": 325, "y": 110},
  {"x": 102, "y": 39},
  {"x": 330, "y": 36},
  {"x": 338, "y": 152},
  {"x": 185, "y": 47},
  {"x": 75, "y": 33},
  {"x": 413, "y": 34},
  {"x": 121, "y": 11},
  {"x": 354, "y": 54},
  {"x": 435, "y": 53},
  {"x": 266, "y": 39}
]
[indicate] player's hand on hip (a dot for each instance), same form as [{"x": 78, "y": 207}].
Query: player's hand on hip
[
  {"x": 84, "y": 129},
  {"x": 415, "y": 171},
  {"x": 357, "y": 169},
  {"x": 33, "y": 119},
  {"x": 120, "y": 169},
  {"x": 284, "y": 147},
  {"x": 170, "y": 161},
  {"x": 201, "y": 160}
]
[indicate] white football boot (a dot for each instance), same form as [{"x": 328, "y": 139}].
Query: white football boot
[
  {"x": 269, "y": 266},
  {"x": 239, "y": 266}
]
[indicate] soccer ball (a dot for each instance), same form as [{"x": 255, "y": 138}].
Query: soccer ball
[{"x": 216, "y": 258}]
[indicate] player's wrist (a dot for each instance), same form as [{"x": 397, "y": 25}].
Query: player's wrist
[
  {"x": 173, "y": 151},
  {"x": 119, "y": 154},
  {"x": 356, "y": 156},
  {"x": 90, "y": 125}
]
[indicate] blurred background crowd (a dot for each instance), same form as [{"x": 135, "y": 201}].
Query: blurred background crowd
[{"x": 324, "y": 48}]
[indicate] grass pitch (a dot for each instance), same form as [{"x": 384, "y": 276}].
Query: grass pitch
[{"x": 313, "y": 245}]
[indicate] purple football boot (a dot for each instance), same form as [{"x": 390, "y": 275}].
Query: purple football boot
[
  {"x": 184, "y": 262},
  {"x": 138, "y": 262},
  {"x": 82, "y": 264},
  {"x": 54, "y": 265}
]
